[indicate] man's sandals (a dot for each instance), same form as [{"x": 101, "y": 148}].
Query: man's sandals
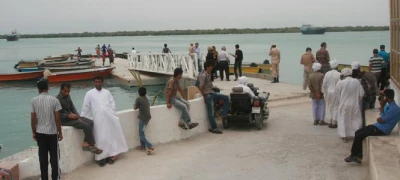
[
  {"x": 186, "y": 127},
  {"x": 92, "y": 149}
]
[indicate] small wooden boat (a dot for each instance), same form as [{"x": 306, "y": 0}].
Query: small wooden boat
[
  {"x": 58, "y": 64},
  {"x": 27, "y": 69},
  {"x": 60, "y": 58},
  {"x": 72, "y": 68},
  {"x": 342, "y": 66},
  {"x": 79, "y": 74},
  {"x": 21, "y": 76}
]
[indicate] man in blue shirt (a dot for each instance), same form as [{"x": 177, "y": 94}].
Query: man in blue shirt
[{"x": 385, "y": 123}]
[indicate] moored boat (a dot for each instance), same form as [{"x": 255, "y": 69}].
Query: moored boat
[
  {"x": 72, "y": 68},
  {"x": 21, "y": 76},
  {"x": 14, "y": 36},
  {"x": 310, "y": 29},
  {"x": 79, "y": 74},
  {"x": 27, "y": 69},
  {"x": 58, "y": 63},
  {"x": 60, "y": 58}
]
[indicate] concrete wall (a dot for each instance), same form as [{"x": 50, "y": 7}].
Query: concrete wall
[
  {"x": 396, "y": 97},
  {"x": 162, "y": 128}
]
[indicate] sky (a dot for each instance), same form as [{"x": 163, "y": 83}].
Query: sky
[{"x": 68, "y": 16}]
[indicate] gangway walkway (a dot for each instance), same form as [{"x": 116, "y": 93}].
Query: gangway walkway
[{"x": 165, "y": 63}]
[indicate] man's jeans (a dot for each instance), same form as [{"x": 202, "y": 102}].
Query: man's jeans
[
  {"x": 209, "y": 100},
  {"x": 143, "y": 141},
  {"x": 200, "y": 65},
  {"x": 183, "y": 106}
]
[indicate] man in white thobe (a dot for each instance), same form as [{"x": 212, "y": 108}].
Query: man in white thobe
[
  {"x": 243, "y": 83},
  {"x": 331, "y": 78},
  {"x": 349, "y": 93},
  {"x": 99, "y": 105}
]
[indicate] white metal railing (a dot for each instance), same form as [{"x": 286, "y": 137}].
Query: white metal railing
[{"x": 165, "y": 63}]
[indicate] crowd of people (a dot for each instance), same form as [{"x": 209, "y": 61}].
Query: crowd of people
[
  {"x": 340, "y": 99},
  {"x": 105, "y": 52}
]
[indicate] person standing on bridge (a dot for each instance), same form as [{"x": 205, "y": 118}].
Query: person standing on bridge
[
  {"x": 307, "y": 61},
  {"x": 224, "y": 61},
  {"x": 197, "y": 50},
  {"x": 328, "y": 89},
  {"x": 238, "y": 62},
  {"x": 171, "y": 90},
  {"x": 349, "y": 93},
  {"x": 276, "y": 60},
  {"x": 318, "y": 102},
  {"x": 323, "y": 58},
  {"x": 166, "y": 49}
]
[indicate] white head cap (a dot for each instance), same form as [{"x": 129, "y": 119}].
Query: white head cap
[
  {"x": 316, "y": 66},
  {"x": 243, "y": 80},
  {"x": 355, "y": 65},
  {"x": 347, "y": 72},
  {"x": 334, "y": 64}
]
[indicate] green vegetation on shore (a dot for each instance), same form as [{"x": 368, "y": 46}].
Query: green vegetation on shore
[{"x": 200, "y": 32}]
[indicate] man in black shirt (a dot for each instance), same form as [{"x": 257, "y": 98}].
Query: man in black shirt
[{"x": 238, "y": 62}]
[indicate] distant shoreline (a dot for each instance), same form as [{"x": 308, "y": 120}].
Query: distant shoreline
[{"x": 201, "y": 32}]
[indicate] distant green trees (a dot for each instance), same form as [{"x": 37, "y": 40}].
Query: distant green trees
[{"x": 199, "y": 32}]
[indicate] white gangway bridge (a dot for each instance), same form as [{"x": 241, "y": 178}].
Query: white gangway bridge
[{"x": 165, "y": 63}]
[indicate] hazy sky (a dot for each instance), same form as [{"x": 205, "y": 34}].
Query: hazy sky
[{"x": 53, "y": 16}]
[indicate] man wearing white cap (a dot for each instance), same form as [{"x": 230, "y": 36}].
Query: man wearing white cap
[
  {"x": 243, "y": 84},
  {"x": 331, "y": 78},
  {"x": 315, "y": 84},
  {"x": 349, "y": 92}
]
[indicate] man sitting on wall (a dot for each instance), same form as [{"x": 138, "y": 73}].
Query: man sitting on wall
[
  {"x": 70, "y": 117},
  {"x": 172, "y": 99},
  {"x": 210, "y": 96},
  {"x": 388, "y": 119}
]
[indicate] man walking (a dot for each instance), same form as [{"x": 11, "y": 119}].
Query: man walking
[
  {"x": 323, "y": 58},
  {"x": 238, "y": 62},
  {"x": 99, "y": 102},
  {"x": 46, "y": 130},
  {"x": 375, "y": 65},
  {"x": 349, "y": 93},
  {"x": 385, "y": 72},
  {"x": 210, "y": 96},
  {"x": 224, "y": 61},
  {"x": 315, "y": 84},
  {"x": 70, "y": 117},
  {"x": 387, "y": 120},
  {"x": 331, "y": 79},
  {"x": 172, "y": 99},
  {"x": 307, "y": 61},
  {"x": 276, "y": 59}
]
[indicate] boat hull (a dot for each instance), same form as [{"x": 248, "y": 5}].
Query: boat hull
[
  {"x": 79, "y": 75},
  {"x": 56, "y": 58},
  {"x": 32, "y": 69},
  {"x": 12, "y": 38},
  {"x": 314, "y": 31},
  {"x": 21, "y": 76}
]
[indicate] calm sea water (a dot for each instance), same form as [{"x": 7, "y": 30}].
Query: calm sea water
[{"x": 15, "y": 97}]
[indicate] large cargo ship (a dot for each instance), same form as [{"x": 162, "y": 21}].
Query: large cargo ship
[
  {"x": 310, "y": 29},
  {"x": 14, "y": 36}
]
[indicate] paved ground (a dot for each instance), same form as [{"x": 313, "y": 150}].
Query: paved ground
[{"x": 289, "y": 147}]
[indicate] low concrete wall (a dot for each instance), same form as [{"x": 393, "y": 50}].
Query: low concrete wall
[{"x": 162, "y": 128}]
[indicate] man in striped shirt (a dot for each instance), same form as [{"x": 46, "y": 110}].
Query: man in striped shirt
[
  {"x": 375, "y": 65},
  {"x": 46, "y": 129}
]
